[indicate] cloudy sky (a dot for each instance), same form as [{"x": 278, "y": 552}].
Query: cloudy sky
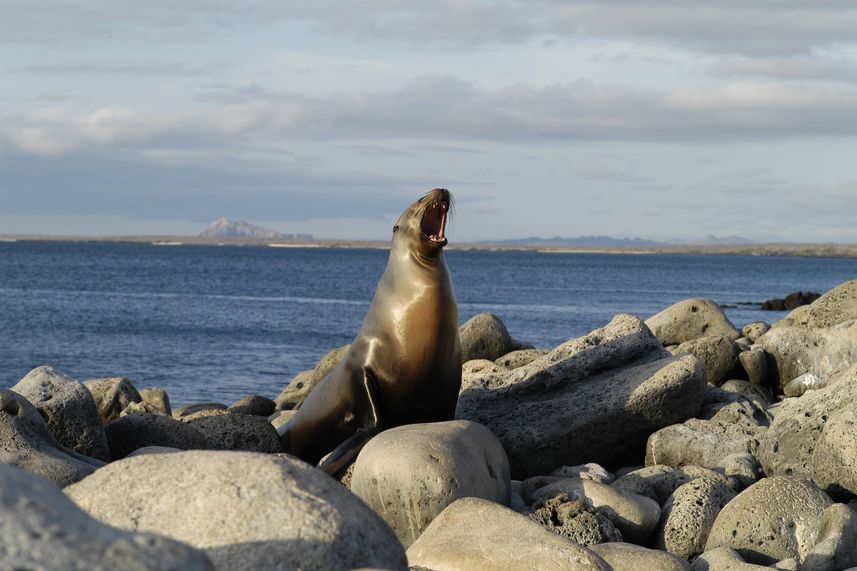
[{"x": 663, "y": 119}]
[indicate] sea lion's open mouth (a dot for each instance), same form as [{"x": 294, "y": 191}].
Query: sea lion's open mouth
[{"x": 433, "y": 224}]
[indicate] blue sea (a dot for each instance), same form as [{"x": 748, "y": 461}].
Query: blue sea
[{"x": 220, "y": 322}]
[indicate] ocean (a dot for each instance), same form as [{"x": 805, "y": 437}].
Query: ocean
[{"x": 215, "y": 323}]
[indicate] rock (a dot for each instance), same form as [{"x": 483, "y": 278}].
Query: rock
[
  {"x": 634, "y": 515},
  {"x": 410, "y": 473},
  {"x": 300, "y": 386},
  {"x": 158, "y": 399},
  {"x": 143, "y": 429},
  {"x": 748, "y": 390},
  {"x": 719, "y": 355},
  {"x": 254, "y": 405},
  {"x": 726, "y": 406},
  {"x": 40, "y": 528},
  {"x": 836, "y": 306},
  {"x": 194, "y": 408},
  {"x": 788, "y": 445},
  {"x": 281, "y": 417},
  {"x": 520, "y": 358},
  {"x": 742, "y": 470},
  {"x": 724, "y": 559},
  {"x": 112, "y": 395},
  {"x": 531, "y": 485},
  {"x": 701, "y": 443},
  {"x": 228, "y": 431},
  {"x": 153, "y": 450},
  {"x": 794, "y": 351},
  {"x": 475, "y": 534},
  {"x": 834, "y": 460},
  {"x": 484, "y": 336},
  {"x": 575, "y": 519},
  {"x": 691, "y": 319},
  {"x": 27, "y": 443},
  {"x": 68, "y": 408},
  {"x": 616, "y": 385},
  {"x": 743, "y": 344},
  {"x": 689, "y": 514},
  {"x": 477, "y": 367},
  {"x": 837, "y": 536},
  {"x": 753, "y": 331},
  {"x": 791, "y": 301},
  {"x": 775, "y": 518},
  {"x": 755, "y": 365},
  {"x": 591, "y": 471},
  {"x": 806, "y": 382},
  {"x": 660, "y": 482},
  {"x": 246, "y": 511},
  {"x": 630, "y": 557}
]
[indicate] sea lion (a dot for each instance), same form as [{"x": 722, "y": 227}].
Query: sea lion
[{"x": 404, "y": 366}]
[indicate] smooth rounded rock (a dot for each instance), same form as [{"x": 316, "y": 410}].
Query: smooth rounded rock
[
  {"x": 41, "y": 529},
  {"x": 658, "y": 482},
  {"x": 719, "y": 355},
  {"x": 484, "y": 336},
  {"x": 68, "y": 408},
  {"x": 753, "y": 331},
  {"x": 158, "y": 399},
  {"x": 724, "y": 559},
  {"x": 193, "y": 408},
  {"x": 246, "y": 511},
  {"x": 254, "y": 405},
  {"x": 410, "y": 473},
  {"x": 775, "y": 518},
  {"x": 227, "y": 431},
  {"x": 477, "y": 535},
  {"x": 794, "y": 351},
  {"x": 834, "y": 460},
  {"x": 634, "y": 515},
  {"x": 590, "y": 471},
  {"x": 701, "y": 443},
  {"x": 630, "y": 557},
  {"x": 689, "y": 514},
  {"x": 748, "y": 390},
  {"x": 836, "y": 546},
  {"x": 142, "y": 429},
  {"x": 27, "y": 443},
  {"x": 112, "y": 395},
  {"x": 755, "y": 365},
  {"x": 691, "y": 319},
  {"x": 742, "y": 470}
]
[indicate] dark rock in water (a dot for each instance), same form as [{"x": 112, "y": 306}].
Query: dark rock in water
[
  {"x": 616, "y": 385},
  {"x": 229, "y": 431},
  {"x": 112, "y": 395},
  {"x": 484, "y": 336},
  {"x": 142, "y": 429},
  {"x": 254, "y": 405},
  {"x": 571, "y": 517},
  {"x": 410, "y": 473},
  {"x": 68, "y": 408},
  {"x": 41, "y": 528},
  {"x": 247, "y": 511},
  {"x": 194, "y": 408},
  {"x": 791, "y": 301},
  {"x": 27, "y": 443},
  {"x": 470, "y": 528}
]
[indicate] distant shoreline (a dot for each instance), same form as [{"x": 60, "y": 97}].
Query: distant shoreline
[{"x": 802, "y": 250}]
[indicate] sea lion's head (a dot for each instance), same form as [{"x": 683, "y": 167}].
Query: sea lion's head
[{"x": 422, "y": 227}]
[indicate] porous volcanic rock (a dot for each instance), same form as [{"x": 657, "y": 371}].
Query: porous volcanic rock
[
  {"x": 112, "y": 395},
  {"x": 690, "y": 319}
]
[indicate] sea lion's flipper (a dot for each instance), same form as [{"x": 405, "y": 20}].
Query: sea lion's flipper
[{"x": 346, "y": 452}]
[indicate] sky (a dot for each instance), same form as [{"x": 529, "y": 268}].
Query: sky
[{"x": 661, "y": 119}]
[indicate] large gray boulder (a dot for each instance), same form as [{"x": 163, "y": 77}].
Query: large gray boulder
[
  {"x": 68, "y": 408},
  {"x": 484, "y": 336},
  {"x": 112, "y": 395},
  {"x": 229, "y": 431},
  {"x": 775, "y": 518},
  {"x": 616, "y": 385},
  {"x": 794, "y": 351},
  {"x": 718, "y": 353},
  {"x": 836, "y": 306},
  {"x": 788, "y": 445},
  {"x": 246, "y": 511},
  {"x": 699, "y": 442},
  {"x": 834, "y": 460},
  {"x": 473, "y": 534},
  {"x": 142, "y": 429},
  {"x": 689, "y": 514},
  {"x": 630, "y": 557},
  {"x": 27, "y": 443},
  {"x": 659, "y": 482},
  {"x": 409, "y": 474},
  {"x": 690, "y": 319},
  {"x": 40, "y": 528},
  {"x": 300, "y": 386}
]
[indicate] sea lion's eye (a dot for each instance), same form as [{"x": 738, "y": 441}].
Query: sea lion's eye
[{"x": 396, "y": 228}]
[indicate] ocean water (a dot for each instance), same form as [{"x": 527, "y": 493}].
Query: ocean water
[{"x": 217, "y": 323}]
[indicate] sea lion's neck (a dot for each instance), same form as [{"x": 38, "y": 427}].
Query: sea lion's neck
[{"x": 403, "y": 254}]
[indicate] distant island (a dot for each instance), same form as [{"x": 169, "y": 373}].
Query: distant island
[{"x": 228, "y": 228}]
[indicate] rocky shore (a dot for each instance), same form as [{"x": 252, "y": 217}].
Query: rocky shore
[{"x": 675, "y": 443}]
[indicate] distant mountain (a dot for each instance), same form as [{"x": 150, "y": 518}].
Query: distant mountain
[
  {"x": 226, "y": 228},
  {"x": 714, "y": 241},
  {"x": 591, "y": 241}
]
